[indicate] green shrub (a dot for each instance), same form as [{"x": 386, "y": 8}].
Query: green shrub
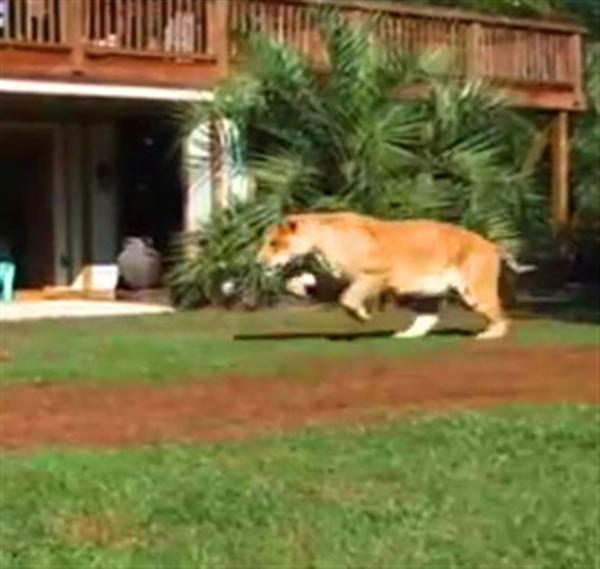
[{"x": 222, "y": 256}]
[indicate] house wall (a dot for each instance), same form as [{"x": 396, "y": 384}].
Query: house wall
[
  {"x": 84, "y": 158},
  {"x": 59, "y": 207},
  {"x": 103, "y": 204},
  {"x": 78, "y": 218},
  {"x": 90, "y": 163},
  {"x": 103, "y": 192},
  {"x": 75, "y": 183}
]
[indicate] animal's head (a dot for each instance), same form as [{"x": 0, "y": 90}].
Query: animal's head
[{"x": 284, "y": 243}]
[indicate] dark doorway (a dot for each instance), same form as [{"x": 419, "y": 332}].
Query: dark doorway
[
  {"x": 150, "y": 178},
  {"x": 26, "y": 218}
]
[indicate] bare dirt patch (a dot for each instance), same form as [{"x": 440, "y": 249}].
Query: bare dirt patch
[
  {"x": 105, "y": 529},
  {"x": 129, "y": 415}
]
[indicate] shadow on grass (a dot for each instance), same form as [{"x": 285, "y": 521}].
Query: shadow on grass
[{"x": 341, "y": 336}]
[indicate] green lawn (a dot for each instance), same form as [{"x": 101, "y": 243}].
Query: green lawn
[
  {"x": 514, "y": 488},
  {"x": 517, "y": 488},
  {"x": 204, "y": 344}
]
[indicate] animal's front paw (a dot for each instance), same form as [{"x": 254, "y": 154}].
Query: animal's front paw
[{"x": 301, "y": 285}]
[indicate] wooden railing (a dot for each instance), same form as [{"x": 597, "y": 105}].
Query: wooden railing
[
  {"x": 499, "y": 49},
  {"x": 35, "y": 22},
  {"x": 509, "y": 54},
  {"x": 142, "y": 26},
  {"x": 522, "y": 54},
  {"x": 290, "y": 22},
  {"x": 148, "y": 26}
]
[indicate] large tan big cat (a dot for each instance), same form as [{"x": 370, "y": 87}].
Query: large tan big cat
[{"x": 402, "y": 257}]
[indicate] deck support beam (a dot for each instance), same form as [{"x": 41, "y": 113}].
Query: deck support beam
[{"x": 560, "y": 171}]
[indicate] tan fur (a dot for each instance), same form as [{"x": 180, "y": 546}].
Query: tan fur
[{"x": 408, "y": 257}]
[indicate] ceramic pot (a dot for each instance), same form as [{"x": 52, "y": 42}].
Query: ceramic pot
[{"x": 139, "y": 264}]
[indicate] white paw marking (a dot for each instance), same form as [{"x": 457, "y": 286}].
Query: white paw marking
[
  {"x": 423, "y": 323},
  {"x": 298, "y": 285}
]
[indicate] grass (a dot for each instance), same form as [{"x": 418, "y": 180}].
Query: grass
[
  {"x": 199, "y": 345},
  {"x": 516, "y": 489}
]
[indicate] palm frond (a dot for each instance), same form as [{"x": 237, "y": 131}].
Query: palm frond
[{"x": 224, "y": 252}]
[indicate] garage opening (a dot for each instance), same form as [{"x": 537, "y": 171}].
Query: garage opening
[{"x": 26, "y": 212}]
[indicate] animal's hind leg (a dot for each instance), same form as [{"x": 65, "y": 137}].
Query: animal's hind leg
[
  {"x": 481, "y": 293},
  {"x": 498, "y": 323},
  {"x": 427, "y": 310},
  {"x": 354, "y": 297}
]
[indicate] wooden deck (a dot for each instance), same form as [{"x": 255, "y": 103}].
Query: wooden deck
[{"x": 193, "y": 43}]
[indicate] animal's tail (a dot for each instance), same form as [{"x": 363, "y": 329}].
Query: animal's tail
[{"x": 513, "y": 264}]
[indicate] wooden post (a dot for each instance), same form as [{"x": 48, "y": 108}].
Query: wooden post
[
  {"x": 87, "y": 204},
  {"x": 576, "y": 49},
  {"x": 473, "y": 51},
  {"x": 560, "y": 170},
  {"x": 63, "y": 30},
  {"x": 75, "y": 32},
  {"x": 217, "y": 166},
  {"x": 218, "y": 34},
  {"x": 190, "y": 216}
]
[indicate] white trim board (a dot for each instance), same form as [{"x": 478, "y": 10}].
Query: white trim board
[{"x": 60, "y": 88}]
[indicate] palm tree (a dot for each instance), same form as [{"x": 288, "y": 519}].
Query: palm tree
[{"x": 356, "y": 137}]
